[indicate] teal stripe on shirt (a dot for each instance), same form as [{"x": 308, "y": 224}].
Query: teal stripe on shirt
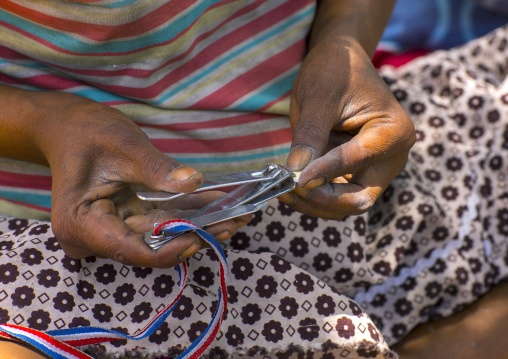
[
  {"x": 202, "y": 74},
  {"x": 115, "y": 5},
  {"x": 91, "y": 93},
  {"x": 99, "y": 95},
  {"x": 27, "y": 64},
  {"x": 69, "y": 43},
  {"x": 42, "y": 200},
  {"x": 254, "y": 156},
  {"x": 276, "y": 90}
]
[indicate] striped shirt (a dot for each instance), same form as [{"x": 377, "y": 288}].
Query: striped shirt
[{"x": 209, "y": 81}]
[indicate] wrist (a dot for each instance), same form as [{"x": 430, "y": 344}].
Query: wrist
[
  {"x": 359, "y": 21},
  {"x": 20, "y": 126},
  {"x": 52, "y": 115}
]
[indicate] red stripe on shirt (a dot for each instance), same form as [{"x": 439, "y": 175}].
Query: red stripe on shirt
[
  {"x": 142, "y": 73},
  {"x": 17, "y": 180},
  {"x": 207, "y": 55},
  {"x": 46, "y": 82},
  {"x": 254, "y": 78},
  {"x": 222, "y": 145},
  {"x": 99, "y": 32},
  {"x": 215, "y": 123},
  {"x": 10, "y": 54}
]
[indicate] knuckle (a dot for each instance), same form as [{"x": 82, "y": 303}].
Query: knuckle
[
  {"x": 307, "y": 129},
  {"x": 66, "y": 240},
  {"x": 71, "y": 249},
  {"x": 317, "y": 202},
  {"x": 363, "y": 203},
  {"x": 75, "y": 253},
  {"x": 153, "y": 164},
  {"x": 117, "y": 253},
  {"x": 405, "y": 133}
]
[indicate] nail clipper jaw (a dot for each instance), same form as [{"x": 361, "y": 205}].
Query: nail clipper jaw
[
  {"x": 216, "y": 181},
  {"x": 253, "y": 192},
  {"x": 151, "y": 240}
]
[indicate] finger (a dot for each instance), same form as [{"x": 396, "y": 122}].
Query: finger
[
  {"x": 338, "y": 138},
  {"x": 145, "y": 223},
  {"x": 147, "y": 166},
  {"x": 311, "y": 129},
  {"x": 131, "y": 206},
  {"x": 164, "y": 174},
  {"x": 223, "y": 231},
  {"x": 345, "y": 195},
  {"x": 333, "y": 200},
  {"x": 378, "y": 140},
  {"x": 103, "y": 234},
  {"x": 243, "y": 220},
  {"x": 190, "y": 201}
]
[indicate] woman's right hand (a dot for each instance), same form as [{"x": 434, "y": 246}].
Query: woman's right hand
[{"x": 96, "y": 155}]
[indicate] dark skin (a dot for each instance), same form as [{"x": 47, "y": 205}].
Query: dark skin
[
  {"x": 98, "y": 159},
  {"x": 350, "y": 139},
  {"x": 350, "y": 135},
  {"x": 345, "y": 122}
]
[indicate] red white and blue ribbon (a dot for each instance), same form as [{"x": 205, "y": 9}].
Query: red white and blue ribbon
[{"x": 61, "y": 343}]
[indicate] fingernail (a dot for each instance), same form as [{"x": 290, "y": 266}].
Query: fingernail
[
  {"x": 287, "y": 198},
  {"x": 240, "y": 224},
  {"x": 190, "y": 251},
  {"x": 302, "y": 192},
  {"x": 299, "y": 158},
  {"x": 316, "y": 182},
  {"x": 222, "y": 236},
  {"x": 182, "y": 173}
]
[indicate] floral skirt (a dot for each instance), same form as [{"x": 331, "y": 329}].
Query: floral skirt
[{"x": 433, "y": 243}]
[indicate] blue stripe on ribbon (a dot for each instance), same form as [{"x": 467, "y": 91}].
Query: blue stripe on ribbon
[{"x": 200, "y": 344}]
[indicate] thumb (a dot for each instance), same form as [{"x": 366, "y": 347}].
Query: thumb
[
  {"x": 163, "y": 173},
  {"x": 311, "y": 130}
]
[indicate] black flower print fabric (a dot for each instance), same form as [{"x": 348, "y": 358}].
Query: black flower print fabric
[
  {"x": 39, "y": 320},
  {"x": 22, "y": 296},
  {"x": 8, "y": 273},
  {"x": 436, "y": 240},
  {"x": 442, "y": 223},
  {"x": 271, "y": 303}
]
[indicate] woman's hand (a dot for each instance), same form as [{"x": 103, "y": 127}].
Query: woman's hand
[
  {"x": 350, "y": 135},
  {"x": 98, "y": 159}
]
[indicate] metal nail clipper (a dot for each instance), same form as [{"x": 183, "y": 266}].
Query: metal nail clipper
[{"x": 255, "y": 189}]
